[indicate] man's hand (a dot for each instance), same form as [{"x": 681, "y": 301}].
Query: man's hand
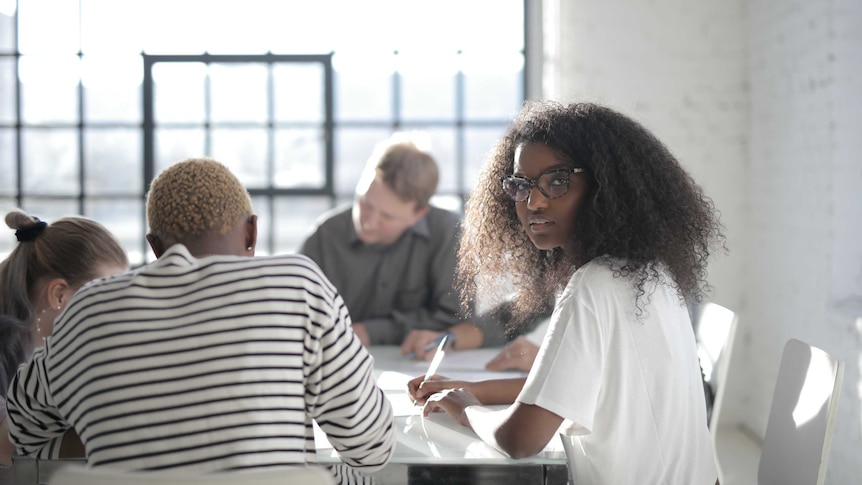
[
  {"x": 519, "y": 354},
  {"x": 417, "y": 340}
]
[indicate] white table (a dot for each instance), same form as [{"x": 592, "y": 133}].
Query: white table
[{"x": 436, "y": 449}]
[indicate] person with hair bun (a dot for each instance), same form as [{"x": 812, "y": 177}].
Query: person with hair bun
[
  {"x": 37, "y": 281},
  {"x": 584, "y": 203},
  {"x": 50, "y": 263},
  {"x": 208, "y": 358}
]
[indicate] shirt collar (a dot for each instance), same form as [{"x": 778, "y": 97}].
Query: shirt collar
[{"x": 176, "y": 255}]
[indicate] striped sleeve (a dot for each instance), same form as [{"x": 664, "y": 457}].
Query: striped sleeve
[
  {"x": 35, "y": 425},
  {"x": 344, "y": 398}
]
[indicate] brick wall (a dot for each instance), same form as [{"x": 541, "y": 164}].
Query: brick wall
[{"x": 762, "y": 102}]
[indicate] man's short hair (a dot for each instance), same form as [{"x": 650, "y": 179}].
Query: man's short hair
[
  {"x": 410, "y": 172},
  {"x": 192, "y": 198}
]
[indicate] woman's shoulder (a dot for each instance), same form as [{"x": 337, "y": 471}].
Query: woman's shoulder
[
  {"x": 599, "y": 279},
  {"x": 606, "y": 280},
  {"x": 603, "y": 269}
]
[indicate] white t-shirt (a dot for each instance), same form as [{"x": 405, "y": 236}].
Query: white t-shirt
[
  {"x": 627, "y": 386},
  {"x": 537, "y": 335}
]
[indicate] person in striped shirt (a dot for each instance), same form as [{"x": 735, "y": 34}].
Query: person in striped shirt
[{"x": 207, "y": 359}]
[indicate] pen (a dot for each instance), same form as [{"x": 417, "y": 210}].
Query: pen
[
  {"x": 430, "y": 345},
  {"x": 438, "y": 357}
]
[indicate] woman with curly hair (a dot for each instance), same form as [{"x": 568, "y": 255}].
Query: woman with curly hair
[{"x": 582, "y": 202}]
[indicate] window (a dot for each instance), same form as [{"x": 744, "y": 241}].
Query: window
[{"x": 291, "y": 95}]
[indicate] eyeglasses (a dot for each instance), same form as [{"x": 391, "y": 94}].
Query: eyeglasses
[{"x": 552, "y": 184}]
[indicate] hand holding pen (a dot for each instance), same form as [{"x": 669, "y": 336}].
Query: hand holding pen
[
  {"x": 414, "y": 385},
  {"x": 421, "y": 344},
  {"x": 451, "y": 400}
]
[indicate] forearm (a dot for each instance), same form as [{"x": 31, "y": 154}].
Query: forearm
[
  {"x": 347, "y": 404},
  {"x": 467, "y": 336},
  {"x": 370, "y": 440},
  {"x": 485, "y": 422},
  {"x": 35, "y": 424},
  {"x": 33, "y": 442},
  {"x": 496, "y": 428},
  {"x": 435, "y": 318},
  {"x": 497, "y": 391},
  {"x": 519, "y": 431},
  {"x": 393, "y": 331}
]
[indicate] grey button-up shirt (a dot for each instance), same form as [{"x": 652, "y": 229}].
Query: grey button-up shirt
[{"x": 396, "y": 288}]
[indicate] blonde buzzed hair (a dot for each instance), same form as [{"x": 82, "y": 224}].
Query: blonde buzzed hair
[
  {"x": 194, "y": 197},
  {"x": 410, "y": 172}
]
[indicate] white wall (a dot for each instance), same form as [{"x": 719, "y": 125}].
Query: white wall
[
  {"x": 762, "y": 102},
  {"x": 680, "y": 72},
  {"x": 806, "y": 216}
]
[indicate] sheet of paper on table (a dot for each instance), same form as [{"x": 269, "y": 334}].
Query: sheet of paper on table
[{"x": 393, "y": 370}]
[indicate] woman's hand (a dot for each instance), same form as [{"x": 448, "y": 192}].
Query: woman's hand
[
  {"x": 420, "y": 391},
  {"x": 519, "y": 354},
  {"x": 453, "y": 401}
]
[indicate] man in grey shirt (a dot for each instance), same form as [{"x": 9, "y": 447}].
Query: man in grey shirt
[{"x": 392, "y": 256}]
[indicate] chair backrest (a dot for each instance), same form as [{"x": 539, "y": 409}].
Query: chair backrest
[
  {"x": 715, "y": 330},
  {"x": 802, "y": 417},
  {"x": 80, "y": 475}
]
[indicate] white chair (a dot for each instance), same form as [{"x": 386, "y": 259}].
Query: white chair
[
  {"x": 80, "y": 475},
  {"x": 798, "y": 434},
  {"x": 715, "y": 330}
]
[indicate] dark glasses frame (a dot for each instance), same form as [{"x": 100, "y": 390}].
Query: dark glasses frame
[{"x": 515, "y": 180}]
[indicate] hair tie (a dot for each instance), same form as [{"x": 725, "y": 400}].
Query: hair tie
[{"x": 30, "y": 233}]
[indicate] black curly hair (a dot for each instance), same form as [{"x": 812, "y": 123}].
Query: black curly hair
[{"x": 642, "y": 215}]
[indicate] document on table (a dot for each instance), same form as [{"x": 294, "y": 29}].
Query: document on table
[{"x": 394, "y": 371}]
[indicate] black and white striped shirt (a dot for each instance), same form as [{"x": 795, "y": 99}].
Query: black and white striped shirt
[{"x": 203, "y": 365}]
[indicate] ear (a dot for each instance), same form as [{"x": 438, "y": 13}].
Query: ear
[
  {"x": 156, "y": 245},
  {"x": 58, "y": 293},
  {"x": 251, "y": 234}
]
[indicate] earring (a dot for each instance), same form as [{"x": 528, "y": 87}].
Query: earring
[
  {"x": 249, "y": 248},
  {"x": 39, "y": 321}
]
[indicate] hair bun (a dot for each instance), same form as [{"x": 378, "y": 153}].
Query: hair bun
[
  {"x": 27, "y": 227},
  {"x": 18, "y": 219}
]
